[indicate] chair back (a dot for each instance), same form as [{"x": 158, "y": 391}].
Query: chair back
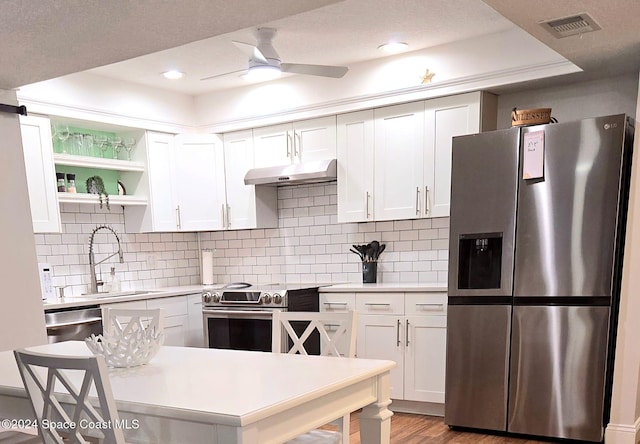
[
  {"x": 60, "y": 388},
  {"x": 336, "y": 329},
  {"x": 125, "y": 323}
]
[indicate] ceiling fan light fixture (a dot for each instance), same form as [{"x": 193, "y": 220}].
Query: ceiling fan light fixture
[
  {"x": 393, "y": 47},
  {"x": 173, "y": 74},
  {"x": 262, "y": 73}
]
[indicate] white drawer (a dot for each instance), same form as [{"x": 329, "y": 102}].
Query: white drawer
[
  {"x": 173, "y": 306},
  {"x": 380, "y": 303},
  {"x": 337, "y": 302},
  {"x": 425, "y": 303}
]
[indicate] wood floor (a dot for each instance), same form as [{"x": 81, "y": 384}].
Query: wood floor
[{"x": 417, "y": 429}]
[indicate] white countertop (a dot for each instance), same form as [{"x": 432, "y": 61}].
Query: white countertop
[
  {"x": 106, "y": 298},
  {"x": 385, "y": 287}
]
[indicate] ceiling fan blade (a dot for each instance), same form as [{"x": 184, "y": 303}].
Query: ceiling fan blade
[
  {"x": 315, "y": 70},
  {"x": 252, "y": 51},
  {"x": 223, "y": 75}
]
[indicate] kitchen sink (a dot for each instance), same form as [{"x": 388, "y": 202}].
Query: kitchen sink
[{"x": 116, "y": 294}]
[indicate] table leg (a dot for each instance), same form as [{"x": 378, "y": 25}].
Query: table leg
[{"x": 375, "y": 419}]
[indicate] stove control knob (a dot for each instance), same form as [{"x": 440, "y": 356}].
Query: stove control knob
[
  {"x": 266, "y": 298},
  {"x": 277, "y": 298},
  {"x": 215, "y": 298},
  {"x": 206, "y": 297}
]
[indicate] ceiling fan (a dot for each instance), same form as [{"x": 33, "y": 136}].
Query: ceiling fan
[{"x": 264, "y": 58}]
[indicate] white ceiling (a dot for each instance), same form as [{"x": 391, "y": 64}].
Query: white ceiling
[{"x": 50, "y": 38}]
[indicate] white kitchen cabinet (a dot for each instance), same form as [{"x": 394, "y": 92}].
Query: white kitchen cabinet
[
  {"x": 176, "y": 320},
  {"x": 195, "y": 329},
  {"x": 301, "y": 141},
  {"x": 199, "y": 181},
  {"x": 395, "y": 162},
  {"x": 246, "y": 206},
  {"x": 355, "y": 141},
  {"x": 399, "y": 161},
  {"x": 185, "y": 180},
  {"x": 410, "y": 329},
  {"x": 41, "y": 178},
  {"x": 445, "y": 118}
]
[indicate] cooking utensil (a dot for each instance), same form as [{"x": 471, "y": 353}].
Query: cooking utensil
[
  {"x": 375, "y": 245},
  {"x": 380, "y": 250},
  {"x": 357, "y": 252}
]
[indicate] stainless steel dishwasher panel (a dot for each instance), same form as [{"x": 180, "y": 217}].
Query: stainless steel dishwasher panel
[
  {"x": 477, "y": 366},
  {"x": 73, "y": 324}
]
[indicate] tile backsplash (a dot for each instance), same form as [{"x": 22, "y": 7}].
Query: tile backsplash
[
  {"x": 150, "y": 260},
  {"x": 308, "y": 246}
]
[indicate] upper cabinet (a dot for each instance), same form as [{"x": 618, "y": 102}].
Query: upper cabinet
[
  {"x": 185, "y": 181},
  {"x": 41, "y": 177},
  {"x": 355, "y": 166},
  {"x": 302, "y": 141},
  {"x": 409, "y": 146},
  {"x": 399, "y": 161},
  {"x": 247, "y": 206}
]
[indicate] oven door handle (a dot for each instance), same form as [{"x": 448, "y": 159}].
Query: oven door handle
[{"x": 236, "y": 313}]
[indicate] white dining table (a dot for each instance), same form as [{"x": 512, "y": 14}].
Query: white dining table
[{"x": 193, "y": 395}]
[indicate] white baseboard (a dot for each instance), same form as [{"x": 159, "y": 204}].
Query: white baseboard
[{"x": 622, "y": 433}]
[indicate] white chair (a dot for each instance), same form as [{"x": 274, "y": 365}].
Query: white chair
[
  {"x": 124, "y": 322},
  {"x": 337, "y": 333},
  {"x": 43, "y": 374}
]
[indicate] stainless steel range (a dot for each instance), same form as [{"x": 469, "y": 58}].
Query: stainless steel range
[{"x": 239, "y": 316}]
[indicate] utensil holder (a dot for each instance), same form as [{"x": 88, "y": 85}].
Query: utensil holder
[{"x": 369, "y": 272}]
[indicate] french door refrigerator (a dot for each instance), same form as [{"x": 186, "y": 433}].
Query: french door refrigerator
[{"x": 535, "y": 260}]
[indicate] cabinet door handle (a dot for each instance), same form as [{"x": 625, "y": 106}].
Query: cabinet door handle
[
  {"x": 385, "y": 304},
  {"x": 228, "y": 216},
  {"x": 335, "y": 303},
  {"x": 178, "y": 218},
  {"x": 429, "y": 304},
  {"x": 297, "y": 147},
  {"x": 426, "y": 201},
  {"x": 367, "y": 197},
  {"x": 407, "y": 334},
  {"x": 418, "y": 200},
  {"x": 289, "y": 143},
  {"x": 398, "y": 334},
  {"x": 223, "y": 217}
]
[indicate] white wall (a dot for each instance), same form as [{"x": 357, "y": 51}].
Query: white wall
[
  {"x": 575, "y": 101},
  {"x": 624, "y": 426},
  {"x": 91, "y": 97},
  {"x": 21, "y": 317}
]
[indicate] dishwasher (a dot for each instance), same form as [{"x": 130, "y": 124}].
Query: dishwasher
[{"x": 73, "y": 324}]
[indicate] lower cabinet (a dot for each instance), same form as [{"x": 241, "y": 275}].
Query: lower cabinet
[
  {"x": 180, "y": 328},
  {"x": 410, "y": 329}
]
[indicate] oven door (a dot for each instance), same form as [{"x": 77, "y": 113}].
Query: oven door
[{"x": 238, "y": 329}]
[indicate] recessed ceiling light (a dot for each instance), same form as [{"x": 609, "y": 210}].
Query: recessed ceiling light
[
  {"x": 173, "y": 74},
  {"x": 393, "y": 47}
]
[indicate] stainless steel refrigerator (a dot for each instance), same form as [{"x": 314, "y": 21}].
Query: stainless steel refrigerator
[{"x": 536, "y": 238}]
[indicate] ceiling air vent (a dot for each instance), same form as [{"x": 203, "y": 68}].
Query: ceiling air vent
[{"x": 567, "y": 26}]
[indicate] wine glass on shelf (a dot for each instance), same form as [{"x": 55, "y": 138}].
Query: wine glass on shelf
[
  {"x": 116, "y": 145},
  {"x": 62, "y": 133},
  {"x": 101, "y": 142},
  {"x": 129, "y": 143},
  {"x": 76, "y": 145}
]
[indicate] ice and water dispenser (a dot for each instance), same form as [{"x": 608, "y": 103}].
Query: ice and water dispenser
[{"x": 479, "y": 261}]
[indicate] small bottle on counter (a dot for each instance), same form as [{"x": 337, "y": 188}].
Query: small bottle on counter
[
  {"x": 71, "y": 181},
  {"x": 62, "y": 186},
  {"x": 115, "y": 282}
]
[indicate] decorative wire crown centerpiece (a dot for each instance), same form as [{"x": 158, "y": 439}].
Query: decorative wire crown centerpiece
[{"x": 128, "y": 343}]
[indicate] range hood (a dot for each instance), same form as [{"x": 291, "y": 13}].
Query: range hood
[{"x": 297, "y": 173}]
